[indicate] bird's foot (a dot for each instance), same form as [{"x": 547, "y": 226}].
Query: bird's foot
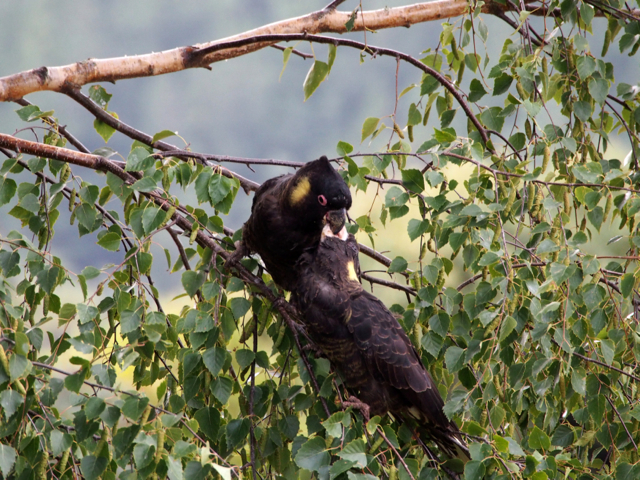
[
  {"x": 280, "y": 303},
  {"x": 317, "y": 352},
  {"x": 240, "y": 252},
  {"x": 356, "y": 403}
]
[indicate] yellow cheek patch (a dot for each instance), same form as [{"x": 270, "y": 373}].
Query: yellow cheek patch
[
  {"x": 352, "y": 271},
  {"x": 300, "y": 191}
]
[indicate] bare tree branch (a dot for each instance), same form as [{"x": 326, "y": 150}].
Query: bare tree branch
[
  {"x": 327, "y": 20},
  {"x": 129, "y": 131}
]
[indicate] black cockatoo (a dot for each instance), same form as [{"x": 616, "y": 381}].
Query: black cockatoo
[
  {"x": 288, "y": 214},
  {"x": 366, "y": 344}
]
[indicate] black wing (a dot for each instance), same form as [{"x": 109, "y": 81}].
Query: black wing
[{"x": 393, "y": 358}]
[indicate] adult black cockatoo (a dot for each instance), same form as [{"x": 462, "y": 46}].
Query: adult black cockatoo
[
  {"x": 366, "y": 344},
  {"x": 288, "y": 214}
]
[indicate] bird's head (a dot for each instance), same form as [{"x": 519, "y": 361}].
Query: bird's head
[{"x": 320, "y": 194}]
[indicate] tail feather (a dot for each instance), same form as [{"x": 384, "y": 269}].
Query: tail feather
[{"x": 451, "y": 443}]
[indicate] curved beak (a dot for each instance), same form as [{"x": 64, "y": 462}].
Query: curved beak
[{"x": 336, "y": 220}]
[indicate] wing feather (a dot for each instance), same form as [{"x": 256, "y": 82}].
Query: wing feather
[{"x": 381, "y": 338}]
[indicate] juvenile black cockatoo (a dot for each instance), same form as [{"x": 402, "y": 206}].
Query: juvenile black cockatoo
[
  {"x": 365, "y": 343},
  {"x": 288, "y": 215}
]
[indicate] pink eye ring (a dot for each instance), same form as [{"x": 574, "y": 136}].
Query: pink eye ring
[{"x": 322, "y": 200}]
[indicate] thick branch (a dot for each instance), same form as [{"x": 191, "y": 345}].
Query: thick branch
[
  {"x": 77, "y": 74},
  {"x": 94, "y": 162}
]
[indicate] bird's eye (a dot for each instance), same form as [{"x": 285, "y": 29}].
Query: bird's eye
[{"x": 322, "y": 200}]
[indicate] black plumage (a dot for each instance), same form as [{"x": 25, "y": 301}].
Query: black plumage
[
  {"x": 366, "y": 344},
  {"x": 288, "y": 214}
]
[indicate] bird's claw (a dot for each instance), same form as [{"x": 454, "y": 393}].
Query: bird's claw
[
  {"x": 356, "y": 403},
  {"x": 240, "y": 252}
]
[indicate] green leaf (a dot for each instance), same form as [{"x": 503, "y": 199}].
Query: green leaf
[
  {"x": 74, "y": 382},
  {"x": 439, "y": 323},
  {"x": 94, "y": 407},
  {"x": 508, "y": 325},
  {"x": 104, "y": 130},
  {"x": 444, "y": 135},
  {"x": 578, "y": 380},
  {"x": 19, "y": 367},
  {"x": 416, "y": 228},
  {"x": 134, "y": 406},
  {"x": 624, "y": 471},
  {"x": 219, "y": 187},
  {"x": 532, "y": 108},
  {"x": 86, "y": 215},
  {"x": 47, "y": 278},
  {"x": 244, "y": 357},
  {"x": 608, "y": 350},
  {"x": 129, "y": 321},
  {"x": 454, "y": 358},
  {"x": 315, "y": 77},
  {"x": 582, "y": 110},
  {"x": 139, "y": 160},
  {"x": 174, "y": 468},
  {"x": 492, "y": 119},
  {"x": 395, "y": 197},
  {"x": 474, "y": 470},
  {"x": 539, "y": 440},
  {"x": 341, "y": 466},
  {"x": 7, "y": 190},
  {"x": 351, "y": 22},
  {"x": 355, "y": 452},
  {"x": 599, "y": 88},
  {"x": 368, "y": 127},
  {"x": 145, "y": 184},
  {"x": 586, "y": 65},
  {"x": 90, "y": 272},
  {"x": 7, "y": 459},
  {"x": 209, "y": 421},
  {"x": 239, "y": 307},
  {"x": 413, "y": 180},
  {"x": 162, "y": 135},
  {"x": 25, "y": 113},
  {"x": 221, "y": 388},
  {"x": 312, "y": 455},
  {"x": 192, "y": 281},
  {"x": 398, "y": 264},
  {"x": 476, "y": 90},
  {"x": 10, "y": 400},
  {"x": 502, "y": 84},
  {"x": 344, "y": 148},
  {"x": 110, "y": 241},
  {"x": 563, "y": 436},
  {"x": 626, "y": 284},
  {"x": 429, "y": 85},
  {"x": 596, "y": 217},
  {"x": 152, "y": 218},
  {"x": 92, "y": 467},
  {"x": 214, "y": 359},
  {"x": 224, "y": 472},
  {"x": 331, "y": 57},
  {"x": 236, "y": 431},
  {"x": 414, "y": 115},
  {"x": 143, "y": 454},
  {"x": 334, "y": 424},
  {"x": 60, "y": 442},
  {"x": 99, "y": 95}
]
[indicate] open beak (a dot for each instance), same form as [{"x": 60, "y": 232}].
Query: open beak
[{"x": 336, "y": 220}]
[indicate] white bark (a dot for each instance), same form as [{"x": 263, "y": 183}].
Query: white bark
[{"x": 16, "y": 86}]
